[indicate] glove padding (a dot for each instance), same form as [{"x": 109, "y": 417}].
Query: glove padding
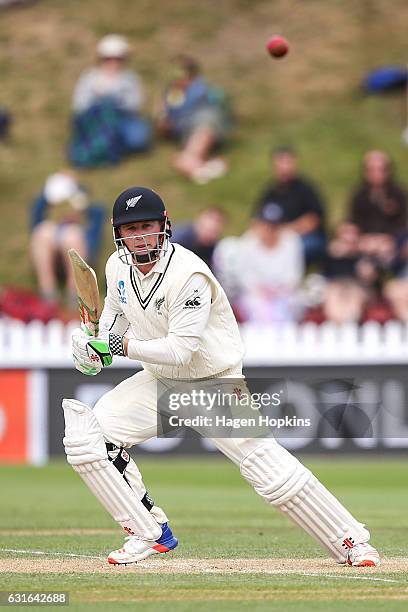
[{"x": 90, "y": 355}]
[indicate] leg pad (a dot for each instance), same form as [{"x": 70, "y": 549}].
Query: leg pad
[
  {"x": 285, "y": 483},
  {"x": 86, "y": 452}
]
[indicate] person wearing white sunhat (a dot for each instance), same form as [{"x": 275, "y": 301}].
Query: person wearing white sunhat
[
  {"x": 111, "y": 88},
  {"x": 58, "y": 223},
  {"x": 109, "y": 78}
]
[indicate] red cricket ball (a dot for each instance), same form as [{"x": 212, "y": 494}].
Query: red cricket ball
[{"x": 277, "y": 46}]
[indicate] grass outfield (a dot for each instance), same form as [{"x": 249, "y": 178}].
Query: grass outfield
[{"x": 235, "y": 552}]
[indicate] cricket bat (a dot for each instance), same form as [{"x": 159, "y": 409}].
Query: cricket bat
[{"x": 88, "y": 293}]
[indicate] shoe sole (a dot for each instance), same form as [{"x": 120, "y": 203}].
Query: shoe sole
[
  {"x": 364, "y": 563},
  {"x": 149, "y": 553}
]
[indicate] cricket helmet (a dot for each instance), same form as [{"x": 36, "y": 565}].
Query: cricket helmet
[{"x": 134, "y": 205}]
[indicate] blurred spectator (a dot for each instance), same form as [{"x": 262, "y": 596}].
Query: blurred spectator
[
  {"x": 378, "y": 208},
  {"x": 343, "y": 252},
  {"x": 262, "y": 270},
  {"x": 202, "y": 234},
  {"x": 352, "y": 292},
  {"x": 301, "y": 203},
  {"x": 62, "y": 217},
  {"x": 196, "y": 115},
  {"x": 345, "y": 295},
  {"x": 107, "y": 106}
]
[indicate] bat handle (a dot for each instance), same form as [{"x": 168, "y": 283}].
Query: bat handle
[{"x": 88, "y": 332}]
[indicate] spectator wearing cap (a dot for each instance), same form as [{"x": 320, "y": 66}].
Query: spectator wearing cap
[
  {"x": 301, "y": 202},
  {"x": 203, "y": 234},
  {"x": 107, "y": 105},
  {"x": 261, "y": 271},
  {"x": 197, "y": 116},
  {"x": 62, "y": 217}
]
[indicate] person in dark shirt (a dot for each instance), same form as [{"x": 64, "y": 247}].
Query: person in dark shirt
[
  {"x": 378, "y": 208},
  {"x": 378, "y": 205},
  {"x": 301, "y": 202},
  {"x": 202, "y": 235}
]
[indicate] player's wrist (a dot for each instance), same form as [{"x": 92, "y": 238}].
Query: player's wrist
[{"x": 117, "y": 345}]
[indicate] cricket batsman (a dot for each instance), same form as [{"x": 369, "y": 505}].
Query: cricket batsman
[{"x": 182, "y": 329}]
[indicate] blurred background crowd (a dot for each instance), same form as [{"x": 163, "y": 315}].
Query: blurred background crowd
[{"x": 288, "y": 261}]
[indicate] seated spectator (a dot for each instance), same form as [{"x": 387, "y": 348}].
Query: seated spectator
[
  {"x": 62, "y": 218},
  {"x": 352, "y": 291},
  {"x": 343, "y": 254},
  {"x": 202, "y": 235},
  {"x": 300, "y": 201},
  {"x": 262, "y": 270},
  {"x": 378, "y": 208},
  {"x": 107, "y": 104},
  {"x": 196, "y": 115}
]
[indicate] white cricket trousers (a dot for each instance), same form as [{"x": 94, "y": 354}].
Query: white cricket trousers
[{"x": 128, "y": 415}]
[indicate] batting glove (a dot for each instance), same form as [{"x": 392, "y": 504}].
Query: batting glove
[{"x": 90, "y": 355}]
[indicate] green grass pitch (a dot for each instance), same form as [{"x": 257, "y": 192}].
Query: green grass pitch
[{"x": 228, "y": 540}]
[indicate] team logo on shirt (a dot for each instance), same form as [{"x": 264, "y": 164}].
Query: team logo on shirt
[
  {"x": 158, "y": 303},
  {"x": 193, "y": 302},
  {"x": 122, "y": 292}
]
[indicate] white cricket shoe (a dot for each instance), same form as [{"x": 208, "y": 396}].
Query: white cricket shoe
[
  {"x": 135, "y": 549},
  {"x": 363, "y": 555}
]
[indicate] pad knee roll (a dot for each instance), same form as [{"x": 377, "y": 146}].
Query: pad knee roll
[
  {"x": 274, "y": 473},
  {"x": 83, "y": 440}
]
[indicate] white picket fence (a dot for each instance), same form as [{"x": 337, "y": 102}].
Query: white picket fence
[{"x": 36, "y": 345}]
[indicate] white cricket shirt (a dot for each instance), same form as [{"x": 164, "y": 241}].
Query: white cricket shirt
[{"x": 180, "y": 318}]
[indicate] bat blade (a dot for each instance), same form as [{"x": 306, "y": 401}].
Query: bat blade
[{"x": 87, "y": 291}]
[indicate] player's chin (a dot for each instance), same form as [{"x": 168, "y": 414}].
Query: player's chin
[{"x": 144, "y": 258}]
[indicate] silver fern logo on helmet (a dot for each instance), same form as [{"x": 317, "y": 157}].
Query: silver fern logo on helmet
[{"x": 131, "y": 203}]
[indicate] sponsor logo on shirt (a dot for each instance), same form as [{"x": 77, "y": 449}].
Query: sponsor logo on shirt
[
  {"x": 193, "y": 302},
  {"x": 122, "y": 292},
  {"x": 125, "y": 455}
]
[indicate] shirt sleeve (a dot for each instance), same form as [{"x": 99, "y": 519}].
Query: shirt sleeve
[{"x": 188, "y": 317}]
